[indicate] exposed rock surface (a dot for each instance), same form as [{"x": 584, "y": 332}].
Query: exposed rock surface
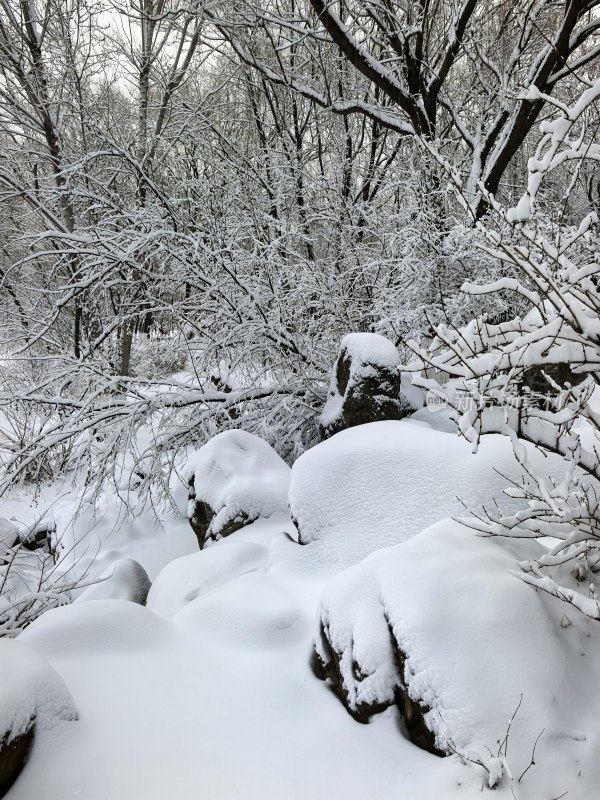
[
  {"x": 365, "y": 385},
  {"x": 42, "y": 537},
  {"x": 13, "y": 756}
]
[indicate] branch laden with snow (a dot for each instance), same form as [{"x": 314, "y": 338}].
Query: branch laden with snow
[{"x": 535, "y": 378}]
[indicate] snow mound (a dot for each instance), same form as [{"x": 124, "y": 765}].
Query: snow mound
[
  {"x": 186, "y": 579},
  {"x": 104, "y": 626},
  {"x": 377, "y": 485},
  {"x": 124, "y": 580},
  {"x": 365, "y": 384},
  {"x": 255, "y": 611},
  {"x": 30, "y": 690},
  {"x": 442, "y": 626},
  {"x": 234, "y": 479}
]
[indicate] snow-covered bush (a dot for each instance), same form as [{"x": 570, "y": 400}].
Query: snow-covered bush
[
  {"x": 158, "y": 357},
  {"x": 554, "y": 347},
  {"x": 30, "y": 584}
]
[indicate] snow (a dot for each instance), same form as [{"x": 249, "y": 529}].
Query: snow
[
  {"x": 30, "y": 689},
  {"x": 186, "y": 579},
  {"x": 371, "y": 348},
  {"x": 379, "y": 484},
  {"x": 96, "y": 629},
  {"x": 238, "y": 473},
  {"x": 209, "y": 687},
  {"x": 9, "y": 534}
]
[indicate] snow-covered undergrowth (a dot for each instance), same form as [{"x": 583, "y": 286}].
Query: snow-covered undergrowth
[{"x": 208, "y": 689}]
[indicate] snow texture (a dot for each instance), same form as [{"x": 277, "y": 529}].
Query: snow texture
[
  {"x": 186, "y": 579},
  {"x": 379, "y": 484},
  {"x": 218, "y": 663},
  {"x": 9, "y": 535},
  {"x": 240, "y": 477}
]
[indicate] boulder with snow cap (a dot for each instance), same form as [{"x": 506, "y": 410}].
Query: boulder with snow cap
[
  {"x": 233, "y": 480},
  {"x": 441, "y": 627},
  {"x": 365, "y": 384},
  {"x": 377, "y": 485},
  {"x": 33, "y": 699}
]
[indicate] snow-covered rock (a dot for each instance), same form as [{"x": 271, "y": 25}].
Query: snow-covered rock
[
  {"x": 377, "y": 485},
  {"x": 441, "y": 626},
  {"x": 234, "y": 479},
  {"x": 124, "y": 580},
  {"x": 32, "y": 698},
  {"x": 365, "y": 384}
]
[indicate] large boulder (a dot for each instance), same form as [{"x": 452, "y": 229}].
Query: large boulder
[
  {"x": 124, "y": 580},
  {"x": 233, "y": 480},
  {"x": 441, "y": 627},
  {"x": 32, "y": 698},
  {"x": 365, "y": 384}
]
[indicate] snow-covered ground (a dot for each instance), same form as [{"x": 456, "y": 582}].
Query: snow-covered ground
[{"x": 208, "y": 690}]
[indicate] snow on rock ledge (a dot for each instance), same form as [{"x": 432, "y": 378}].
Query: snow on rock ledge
[
  {"x": 440, "y": 626},
  {"x": 234, "y": 479},
  {"x": 32, "y": 697},
  {"x": 365, "y": 384}
]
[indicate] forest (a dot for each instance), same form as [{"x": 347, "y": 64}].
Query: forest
[{"x": 299, "y": 405}]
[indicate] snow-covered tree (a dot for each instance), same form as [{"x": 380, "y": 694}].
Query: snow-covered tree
[{"x": 534, "y": 378}]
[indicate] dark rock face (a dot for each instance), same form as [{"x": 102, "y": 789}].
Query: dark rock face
[
  {"x": 361, "y": 391},
  {"x": 203, "y": 516},
  {"x": 328, "y": 669},
  {"x": 13, "y": 756},
  {"x": 413, "y": 711}
]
